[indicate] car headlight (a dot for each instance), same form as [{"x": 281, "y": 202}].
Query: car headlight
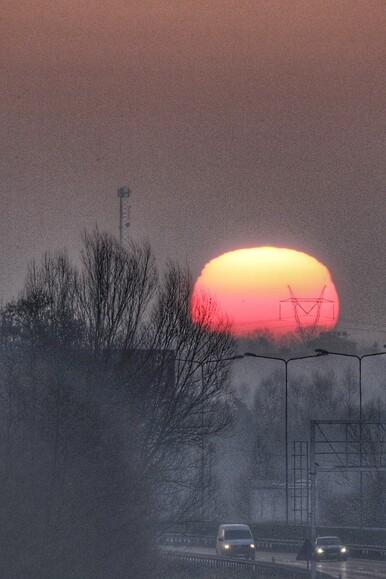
[
  {"x": 226, "y": 546},
  {"x": 343, "y": 550},
  {"x": 319, "y": 550},
  {"x": 252, "y": 546}
]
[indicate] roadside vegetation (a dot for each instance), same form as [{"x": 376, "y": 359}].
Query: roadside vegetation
[{"x": 101, "y": 417}]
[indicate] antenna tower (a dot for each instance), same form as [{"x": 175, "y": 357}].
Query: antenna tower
[
  {"x": 306, "y": 333},
  {"x": 124, "y": 215}
]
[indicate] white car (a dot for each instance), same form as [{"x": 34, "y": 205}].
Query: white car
[{"x": 235, "y": 540}]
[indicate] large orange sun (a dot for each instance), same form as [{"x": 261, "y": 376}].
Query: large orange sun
[{"x": 266, "y": 288}]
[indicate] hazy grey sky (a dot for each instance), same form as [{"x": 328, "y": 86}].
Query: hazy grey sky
[{"x": 236, "y": 123}]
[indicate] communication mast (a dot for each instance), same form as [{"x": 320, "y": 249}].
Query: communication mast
[
  {"x": 124, "y": 215},
  {"x": 308, "y": 332}
]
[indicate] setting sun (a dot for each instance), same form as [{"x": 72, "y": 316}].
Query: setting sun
[{"x": 278, "y": 289}]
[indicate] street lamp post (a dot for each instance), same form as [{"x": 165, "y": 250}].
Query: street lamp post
[
  {"x": 323, "y": 352},
  {"x": 286, "y": 362}
]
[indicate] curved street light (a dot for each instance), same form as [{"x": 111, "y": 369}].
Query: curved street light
[
  {"x": 322, "y": 352},
  {"x": 286, "y": 362}
]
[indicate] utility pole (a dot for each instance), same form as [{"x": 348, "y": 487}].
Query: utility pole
[
  {"x": 313, "y": 495},
  {"x": 124, "y": 215}
]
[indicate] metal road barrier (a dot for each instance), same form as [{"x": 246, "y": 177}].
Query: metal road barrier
[
  {"x": 374, "y": 552},
  {"x": 250, "y": 568},
  {"x": 367, "y": 552}
]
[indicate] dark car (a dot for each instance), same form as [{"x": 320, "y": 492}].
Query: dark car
[{"x": 330, "y": 548}]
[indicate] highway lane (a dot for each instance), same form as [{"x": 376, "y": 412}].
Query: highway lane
[{"x": 350, "y": 569}]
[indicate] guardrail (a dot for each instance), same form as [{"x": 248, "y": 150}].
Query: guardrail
[
  {"x": 368, "y": 552},
  {"x": 250, "y": 568},
  {"x": 375, "y": 552}
]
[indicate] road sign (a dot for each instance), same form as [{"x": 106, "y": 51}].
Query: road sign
[{"x": 306, "y": 551}]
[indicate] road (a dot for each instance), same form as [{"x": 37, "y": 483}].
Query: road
[{"x": 350, "y": 569}]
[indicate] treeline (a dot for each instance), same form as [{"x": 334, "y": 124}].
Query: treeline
[
  {"x": 103, "y": 411},
  {"x": 253, "y": 456}
]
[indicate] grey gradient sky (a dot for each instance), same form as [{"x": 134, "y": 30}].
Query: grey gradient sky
[{"x": 236, "y": 123}]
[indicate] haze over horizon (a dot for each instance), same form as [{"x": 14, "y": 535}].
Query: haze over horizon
[{"x": 235, "y": 124}]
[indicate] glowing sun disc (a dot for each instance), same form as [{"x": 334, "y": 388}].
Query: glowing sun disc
[{"x": 263, "y": 288}]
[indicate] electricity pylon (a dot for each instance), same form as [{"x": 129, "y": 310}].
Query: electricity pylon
[{"x": 308, "y": 332}]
